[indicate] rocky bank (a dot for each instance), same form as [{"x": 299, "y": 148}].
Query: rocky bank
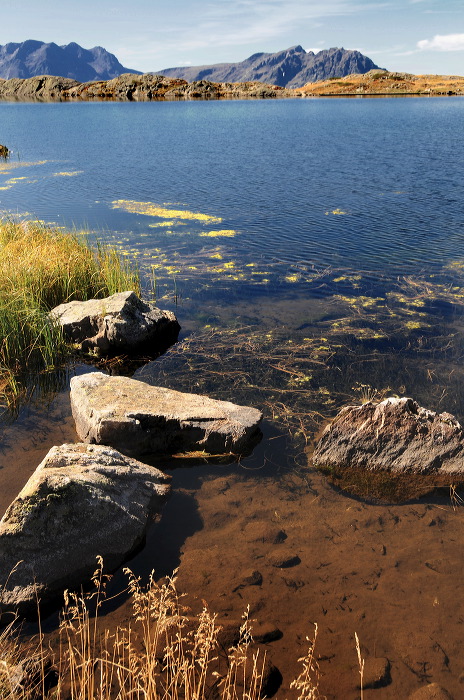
[{"x": 131, "y": 87}]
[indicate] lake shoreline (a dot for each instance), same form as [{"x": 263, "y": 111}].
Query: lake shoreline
[{"x": 148, "y": 87}]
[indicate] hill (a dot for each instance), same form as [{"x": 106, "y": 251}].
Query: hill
[
  {"x": 291, "y": 68},
  {"x": 378, "y": 82},
  {"x": 31, "y": 58}
]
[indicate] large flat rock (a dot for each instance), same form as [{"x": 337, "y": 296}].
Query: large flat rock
[
  {"x": 137, "y": 418},
  {"x": 395, "y": 435},
  {"x": 82, "y": 501},
  {"x": 119, "y": 323}
]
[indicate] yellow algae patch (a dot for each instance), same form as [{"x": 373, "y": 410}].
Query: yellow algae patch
[
  {"x": 216, "y": 256},
  {"x": 337, "y": 212},
  {"x": 165, "y": 223},
  {"x": 226, "y": 233},
  {"x": 415, "y": 325},
  {"x": 6, "y": 167},
  {"x": 150, "y": 209},
  {"x": 71, "y": 173},
  {"x": 292, "y": 278},
  {"x": 7, "y": 187},
  {"x": 14, "y": 180},
  {"x": 348, "y": 278}
]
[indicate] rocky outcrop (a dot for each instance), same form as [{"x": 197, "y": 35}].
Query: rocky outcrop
[
  {"x": 119, "y": 323},
  {"x": 134, "y": 87},
  {"x": 40, "y": 88},
  {"x": 395, "y": 435},
  {"x": 82, "y": 501},
  {"x": 137, "y": 418},
  {"x": 4, "y": 151}
]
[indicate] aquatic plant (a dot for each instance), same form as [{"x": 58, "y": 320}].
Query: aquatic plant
[{"x": 41, "y": 267}]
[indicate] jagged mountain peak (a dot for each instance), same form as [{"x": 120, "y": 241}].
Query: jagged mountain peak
[
  {"x": 292, "y": 67},
  {"x": 31, "y": 57}
]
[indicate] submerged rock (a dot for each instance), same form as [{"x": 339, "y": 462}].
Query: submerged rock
[
  {"x": 137, "y": 418},
  {"x": 119, "y": 323},
  {"x": 82, "y": 501},
  {"x": 395, "y": 435},
  {"x": 433, "y": 691},
  {"x": 376, "y": 672}
]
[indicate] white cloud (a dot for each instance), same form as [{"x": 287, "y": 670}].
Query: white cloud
[{"x": 442, "y": 42}]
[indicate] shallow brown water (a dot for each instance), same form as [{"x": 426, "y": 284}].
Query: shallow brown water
[{"x": 390, "y": 573}]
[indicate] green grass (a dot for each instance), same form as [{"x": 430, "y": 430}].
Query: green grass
[{"x": 41, "y": 267}]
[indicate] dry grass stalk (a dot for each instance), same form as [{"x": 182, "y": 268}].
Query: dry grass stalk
[
  {"x": 361, "y": 665},
  {"x": 307, "y": 683},
  {"x": 159, "y": 655}
]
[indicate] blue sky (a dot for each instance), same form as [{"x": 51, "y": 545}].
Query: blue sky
[{"x": 418, "y": 36}]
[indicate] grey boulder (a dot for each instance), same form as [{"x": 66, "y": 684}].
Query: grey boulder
[
  {"x": 119, "y": 323},
  {"x": 395, "y": 435},
  {"x": 137, "y": 418},
  {"x": 82, "y": 501}
]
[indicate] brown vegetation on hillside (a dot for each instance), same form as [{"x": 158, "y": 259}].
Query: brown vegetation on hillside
[{"x": 378, "y": 82}]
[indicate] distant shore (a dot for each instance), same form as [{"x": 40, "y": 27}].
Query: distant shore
[{"x": 131, "y": 87}]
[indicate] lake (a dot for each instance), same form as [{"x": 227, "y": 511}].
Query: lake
[{"x": 313, "y": 251}]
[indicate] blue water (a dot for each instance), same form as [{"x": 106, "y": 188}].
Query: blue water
[{"x": 272, "y": 170}]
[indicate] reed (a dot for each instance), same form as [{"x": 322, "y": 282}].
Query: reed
[
  {"x": 161, "y": 653},
  {"x": 41, "y": 267}
]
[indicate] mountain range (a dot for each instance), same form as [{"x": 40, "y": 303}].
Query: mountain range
[
  {"x": 31, "y": 58},
  {"x": 291, "y": 68}
]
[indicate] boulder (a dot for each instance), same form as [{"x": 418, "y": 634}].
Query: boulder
[
  {"x": 81, "y": 502},
  {"x": 119, "y": 323},
  {"x": 137, "y": 418},
  {"x": 395, "y": 435}
]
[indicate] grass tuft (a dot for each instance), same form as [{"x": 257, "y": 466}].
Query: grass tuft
[
  {"x": 161, "y": 653},
  {"x": 41, "y": 267}
]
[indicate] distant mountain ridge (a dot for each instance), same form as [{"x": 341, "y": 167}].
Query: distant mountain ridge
[
  {"x": 31, "y": 58},
  {"x": 291, "y": 68}
]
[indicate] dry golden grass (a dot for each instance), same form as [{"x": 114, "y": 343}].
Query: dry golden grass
[
  {"x": 162, "y": 653},
  {"x": 377, "y": 82}
]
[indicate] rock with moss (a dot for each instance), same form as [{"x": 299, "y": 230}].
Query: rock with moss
[
  {"x": 81, "y": 502},
  {"x": 116, "y": 324},
  {"x": 395, "y": 435},
  {"x": 4, "y": 151},
  {"x": 137, "y": 418}
]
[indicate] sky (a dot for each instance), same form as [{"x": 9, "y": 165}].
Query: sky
[{"x": 416, "y": 36}]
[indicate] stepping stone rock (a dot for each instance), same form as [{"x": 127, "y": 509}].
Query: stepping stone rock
[
  {"x": 433, "y": 691},
  {"x": 81, "y": 502},
  {"x": 137, "y": 418},
  {"x": 119, "y": 323},
  {"x": 395, "y": 435}
]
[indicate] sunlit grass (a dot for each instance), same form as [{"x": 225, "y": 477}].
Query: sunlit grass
[
  {"x": 162, "y": 652},
  {"x": 41, "y": 267}
]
